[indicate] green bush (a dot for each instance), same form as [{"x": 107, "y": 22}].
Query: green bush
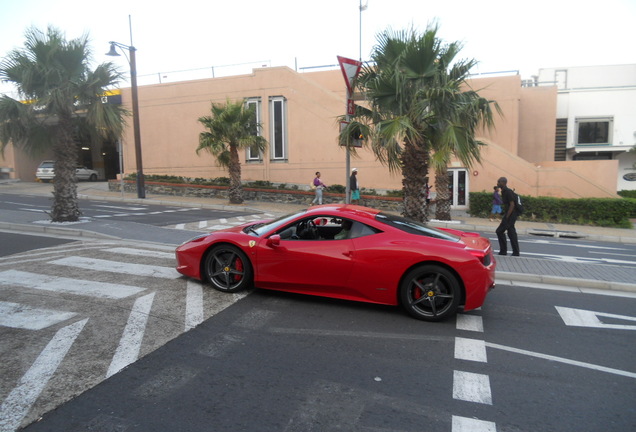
[
  {"x": 627, "y": 193},
  {"x": 608, "y": 212}
]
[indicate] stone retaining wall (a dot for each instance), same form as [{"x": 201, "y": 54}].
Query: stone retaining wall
[{"x": 251, "y": 194}]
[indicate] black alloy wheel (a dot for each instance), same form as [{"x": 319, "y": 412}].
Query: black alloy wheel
[
  {"x": 430, "y": 293},
  {"x": 228, "y": 269}
]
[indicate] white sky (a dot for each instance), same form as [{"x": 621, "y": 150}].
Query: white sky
[{"x": 503, "y": 35}]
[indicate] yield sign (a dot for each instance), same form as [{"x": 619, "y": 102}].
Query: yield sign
[
  {"x": 584, "y": 318},
  {"x": 350, "y": 69}
]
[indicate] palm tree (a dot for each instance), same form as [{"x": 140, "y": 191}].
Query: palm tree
[
  {"x": 407, "y": 113},
  {"x": 61, "y": 101},
  {"x": 231, "y": 127},
  {"x": 457, "y": 111},
  {"x": 402, "y": 66}
]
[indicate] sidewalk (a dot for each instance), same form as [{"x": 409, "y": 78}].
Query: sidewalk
[{"x": 510, "y": 270}]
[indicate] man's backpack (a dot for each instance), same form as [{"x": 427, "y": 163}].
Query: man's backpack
[{"x": 518, "y": 204}]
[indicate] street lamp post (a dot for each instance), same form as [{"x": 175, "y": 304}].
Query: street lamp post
[{"x": 141, "y": 187}]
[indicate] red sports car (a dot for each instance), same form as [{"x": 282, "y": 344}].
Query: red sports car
[{"x": 348, "y": 252}]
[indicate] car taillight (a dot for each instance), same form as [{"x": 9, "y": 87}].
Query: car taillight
[{"x": 484, "y": 257}]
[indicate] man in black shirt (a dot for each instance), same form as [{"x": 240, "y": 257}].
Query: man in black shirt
[{"x": 508, "y": 220}]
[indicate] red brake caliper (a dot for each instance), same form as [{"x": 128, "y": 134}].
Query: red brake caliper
[{"x": 238, "y": 265}]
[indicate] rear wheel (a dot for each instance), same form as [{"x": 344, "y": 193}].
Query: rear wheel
[
  {"x": 228, "y": 269},
  {"x": 93, "y": 177},
  {"x": 430, "y": 293}
]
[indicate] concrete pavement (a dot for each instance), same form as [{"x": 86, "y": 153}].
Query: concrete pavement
[{"x": 511, "y": 270}]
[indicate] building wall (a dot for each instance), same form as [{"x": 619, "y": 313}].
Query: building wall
[
  {"x": 520, "y": 146},
  {"x": 599, "y": 92}
]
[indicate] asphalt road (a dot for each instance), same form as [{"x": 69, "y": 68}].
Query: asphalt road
[
  {"x": 165, "y": 353},
  {"x": 151, "y": 214}
]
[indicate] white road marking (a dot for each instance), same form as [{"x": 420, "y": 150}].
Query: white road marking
[
  {"x": 34, "y": 210},
  {"x": 15, "y": 315},
  {"x": 562, "y": 360},
  {"x": 140, "y": 252},
  {"x": 121, "y": 208},
  {"x": 130, "y": 343},
  {"x": 180, "y": 226},
  {"x": 203, "y": 224},
  {"x": 470, "y": 323},
  {"x": 585, "y": 318},
  {"x": 118, "y": 267},
  {"x": 470, "y": 349},
  {"x": 223, "y": 220},
  {"x": 472, "y": 387},
  {"x": 194, "y": 305},
  {"x": 465, "y": 424},
  {"x": 24, "y": 395},
  {"x": 67, "y": 285}
]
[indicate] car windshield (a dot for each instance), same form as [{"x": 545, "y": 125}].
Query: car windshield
[
  {"x": 260, "y": 229},
  {"x": 46, "y": 165},
  {"x": 413, "y": 227}
]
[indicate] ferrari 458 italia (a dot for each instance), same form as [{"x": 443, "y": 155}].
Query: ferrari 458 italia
[{"x": 348, "y": 252}]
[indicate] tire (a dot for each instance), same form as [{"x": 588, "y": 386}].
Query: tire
[
  {"x": 430, "y": 293},
  {"x": 93, "y": 178},
  {"x": 228, "y": 269}
]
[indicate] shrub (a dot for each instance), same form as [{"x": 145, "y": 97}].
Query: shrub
[{"x": 610, "y": 212}]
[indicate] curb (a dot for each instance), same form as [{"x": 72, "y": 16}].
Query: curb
[{"x": 587, "y": 284}]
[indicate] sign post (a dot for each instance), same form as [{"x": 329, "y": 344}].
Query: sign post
[{"x": 350, "y": 70}]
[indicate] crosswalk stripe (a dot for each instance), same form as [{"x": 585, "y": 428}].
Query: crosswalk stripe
[
  {"x": 470, "y": 323},
  {"x": 140, "y": 252},
  {"x": 24, "y": 395},
  {"x": 465, "y": 424},
  {"x": 118, "y": 267},
  {"x": 472, "y": 387},
  {"x": 67, "y": 285},
  {"x": 470, "y": 349},
  {"x": 194, "y": 305},
  {"x": 130, "y": 343},
  {"x": 15, "y": 315}
]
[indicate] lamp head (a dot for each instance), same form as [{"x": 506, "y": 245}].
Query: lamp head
[{"x": 113, "y": 51}]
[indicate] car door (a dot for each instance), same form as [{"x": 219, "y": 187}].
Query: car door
[{"x": 319, "y": 267}]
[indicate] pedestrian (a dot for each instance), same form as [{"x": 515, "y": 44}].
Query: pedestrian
[
  {"x": 496, "y": 204},
  {"x": 355, "y": 189},
  {"x": 318, "y": 185},
  {"x": 427, "y": 190},
  {"x": 508, "y": 220}
]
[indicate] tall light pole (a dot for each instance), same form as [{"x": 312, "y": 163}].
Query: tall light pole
[{"x": 141, "y": 187}]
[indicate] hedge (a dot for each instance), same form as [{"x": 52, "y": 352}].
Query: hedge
[{"x": 605, "y": 212}]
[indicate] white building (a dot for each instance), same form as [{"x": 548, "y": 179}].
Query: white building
[{"x": 596, "y": 115}]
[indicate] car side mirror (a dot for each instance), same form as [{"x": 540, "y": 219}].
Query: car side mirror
[{"x": 273, "y": 240}]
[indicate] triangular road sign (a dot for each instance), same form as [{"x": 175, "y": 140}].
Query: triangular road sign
[{"x": 350, "y": 69}]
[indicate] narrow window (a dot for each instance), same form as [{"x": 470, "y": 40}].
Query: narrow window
[
  {"x": 278, "y": 128},
  {"x": 254, "y": 104}
]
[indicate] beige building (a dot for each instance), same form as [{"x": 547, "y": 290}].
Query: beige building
[{"x": 299, "y": 112}]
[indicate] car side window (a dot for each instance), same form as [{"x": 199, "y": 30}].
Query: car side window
[{"x": 326, "y": 228}]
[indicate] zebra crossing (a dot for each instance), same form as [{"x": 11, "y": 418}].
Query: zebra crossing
[
  {"x": 222, "y": 223},
  {"x": 76, "y": 314}
]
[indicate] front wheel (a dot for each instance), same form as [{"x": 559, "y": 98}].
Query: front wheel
[
  {"x": 430, "y": 293},
  {"x": 228, "y": 269},
  {"x": 93, "y": 177}
]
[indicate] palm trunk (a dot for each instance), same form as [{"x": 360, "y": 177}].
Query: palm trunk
[
  {"x": 65, "y": 206},
  {"x": 235, "y": 191},
  {"x": 414, "y": 173},
  {"x": 443, "y": 197}
]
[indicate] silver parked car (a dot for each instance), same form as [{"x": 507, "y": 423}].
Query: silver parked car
[{"x": 46, "y": 172}]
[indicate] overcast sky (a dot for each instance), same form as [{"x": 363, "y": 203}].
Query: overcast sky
[{"x": 171, "y": 36}]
